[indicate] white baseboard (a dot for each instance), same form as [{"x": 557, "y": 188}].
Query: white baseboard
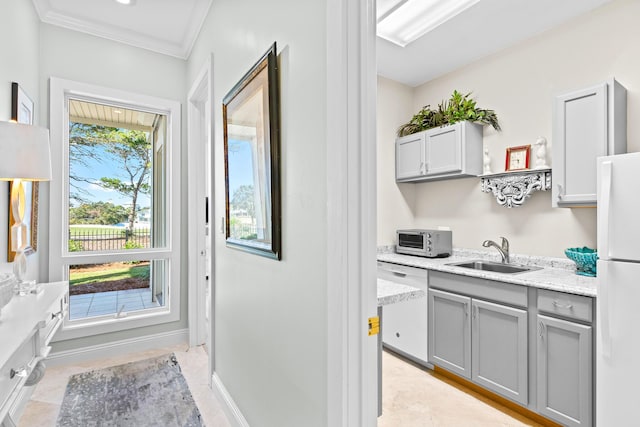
[
  {"x": 18, "y": 407},
  {"x": 229, "y": 406},
  {"x": 114, "y": 348}
]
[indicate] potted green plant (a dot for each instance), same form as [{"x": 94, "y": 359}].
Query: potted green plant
[{"x": 456, "y": 109}]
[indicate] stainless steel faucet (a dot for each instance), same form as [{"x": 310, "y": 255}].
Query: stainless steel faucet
[{"x": 504, "y": 250}]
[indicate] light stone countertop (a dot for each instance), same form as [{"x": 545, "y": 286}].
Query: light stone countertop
[
  {"x": 391, "y": 292},
  {"x": 557, "y": 274}
]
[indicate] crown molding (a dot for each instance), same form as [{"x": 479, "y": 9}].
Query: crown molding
[{"x": 181, "y": 49}]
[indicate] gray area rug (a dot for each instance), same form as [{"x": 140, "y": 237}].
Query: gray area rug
[{"x": 151, "y": 392}]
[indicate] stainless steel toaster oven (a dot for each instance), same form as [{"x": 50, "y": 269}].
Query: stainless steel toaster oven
[{"x": 426, "y": 243}]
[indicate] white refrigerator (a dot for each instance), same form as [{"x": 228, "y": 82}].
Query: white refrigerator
[{"x": 618, "y": 299}]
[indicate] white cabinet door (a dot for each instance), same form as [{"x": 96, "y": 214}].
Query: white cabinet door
[
  {"x": 450, "y": 332},
  {"x": 499, "y": 349},
  {"x": 588, "y": 123},
  {"x": 443, "y": 146},
  {"x": 410, "y": 156},
  {"x": 565, "y": 388},
  {"x": 404, "y": 328}
]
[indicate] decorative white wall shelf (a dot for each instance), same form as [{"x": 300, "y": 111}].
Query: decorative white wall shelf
[{"x": 511, "y": 189}]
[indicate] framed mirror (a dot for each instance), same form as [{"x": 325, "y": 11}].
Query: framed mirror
[{"x": 251, "y": 120}]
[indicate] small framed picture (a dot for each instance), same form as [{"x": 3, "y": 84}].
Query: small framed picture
[
  {"x": 21, "y": 105},
  {"x": 518, "y": 158}
]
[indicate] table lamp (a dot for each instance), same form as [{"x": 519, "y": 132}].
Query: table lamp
[{"x": 24, "y": 156}]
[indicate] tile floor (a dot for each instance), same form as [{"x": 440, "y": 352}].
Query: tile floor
[
  {"x": 89, "y": 305},
  {"x": 416, "y": 397},
  {"x": 412, "y": 396}
]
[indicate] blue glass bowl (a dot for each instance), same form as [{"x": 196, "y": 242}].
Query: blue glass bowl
[{"x": 585, "y": 260}]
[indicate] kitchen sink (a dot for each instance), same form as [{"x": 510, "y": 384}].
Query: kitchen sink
[{"x": 495, "y": 267}]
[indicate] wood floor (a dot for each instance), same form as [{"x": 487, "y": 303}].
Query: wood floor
[{"x": 412, "y": 396}]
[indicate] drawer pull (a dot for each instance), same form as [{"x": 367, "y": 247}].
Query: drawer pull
[
  {"x": 399, "y": 273},
  {"x": 558, "y": 305},
  {"x": 22, "y": 372}
]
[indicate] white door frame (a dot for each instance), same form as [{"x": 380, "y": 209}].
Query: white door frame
[
  {"x": 200, "y": 132},
  {"x": 351, "y": 201}
]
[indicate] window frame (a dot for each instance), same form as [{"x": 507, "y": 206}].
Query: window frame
[{"x": 60, "y": 258}]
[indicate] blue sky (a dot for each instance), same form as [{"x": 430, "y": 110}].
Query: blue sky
[
  {"x": 240, "y": 165},
  {"x": 104, "y": 166}
]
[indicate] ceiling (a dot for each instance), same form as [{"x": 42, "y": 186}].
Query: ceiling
[
  {"x": 171, "y": 27},
  {"x": 107, "y": 115},
  {"x": 165, "y": 26},
  {"x": 485, "y": 28}
]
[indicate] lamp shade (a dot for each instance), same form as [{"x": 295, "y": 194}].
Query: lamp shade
[{"x": 24, "y": 152}]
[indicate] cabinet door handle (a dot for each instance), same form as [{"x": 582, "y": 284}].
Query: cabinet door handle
[
  {"x": 466, "y": 309},
  {"x": 560, "y": 192},
  {"x": 426, "y": 167},
  {"x": 399, "y": 273},
  {"x": 475, "y": 310},
  {"x": 568, "y": 306},
  {"x": 541, "y": 330}
]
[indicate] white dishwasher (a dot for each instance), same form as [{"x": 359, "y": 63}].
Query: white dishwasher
[{"x": 404, "y": 324}]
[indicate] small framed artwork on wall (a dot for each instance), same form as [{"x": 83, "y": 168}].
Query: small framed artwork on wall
[
  {"x": 22, "y": 108},
  {"x": 251, "y": 127},
  {"x": 518, "y": 158},
  {"x": 21, "y": 105}
]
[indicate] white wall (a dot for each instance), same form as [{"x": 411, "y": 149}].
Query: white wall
[
  {"x": 520, "y": 83},
  {"x": 77, "y": 56},
  {"x": 271, "y": 317},
  {"x": 19, "y": 28}
]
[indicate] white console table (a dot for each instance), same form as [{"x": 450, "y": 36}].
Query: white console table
[{"x": 27, "y": 325}]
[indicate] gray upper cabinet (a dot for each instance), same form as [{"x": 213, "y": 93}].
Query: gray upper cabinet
[
  {"x": 452, "y": 151},
  {"x": 588, "y": 123},
  {"x": 499, "y": 349},
  {"x": 565, "y": 384},
  {"x": 410, "y": 157},
  {"x": 450, "y": 332}
]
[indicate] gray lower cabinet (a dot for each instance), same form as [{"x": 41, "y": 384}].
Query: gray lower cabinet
[
  {"x": 479, "y": 340},
  {"x": 499, "y": 349},
  {"x": 565, "y": 382},
  {"x": 450, "y": 332},
  {"x": 486, "y": 342}
]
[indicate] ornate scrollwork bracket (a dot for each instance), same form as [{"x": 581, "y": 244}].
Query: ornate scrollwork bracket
[{"x": 511, "y": 189}]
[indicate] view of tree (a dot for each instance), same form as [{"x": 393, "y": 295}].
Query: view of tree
[
  {"x": 98, "y": 213},
  {"x": 133, "y": 150},
  {"x": 84, "y": 141},
  {"x": 243, "y": 199},
  {"x": 129, "y": 149}
]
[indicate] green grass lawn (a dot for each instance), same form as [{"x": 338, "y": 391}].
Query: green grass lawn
[{"x": 125, "y": 271}]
